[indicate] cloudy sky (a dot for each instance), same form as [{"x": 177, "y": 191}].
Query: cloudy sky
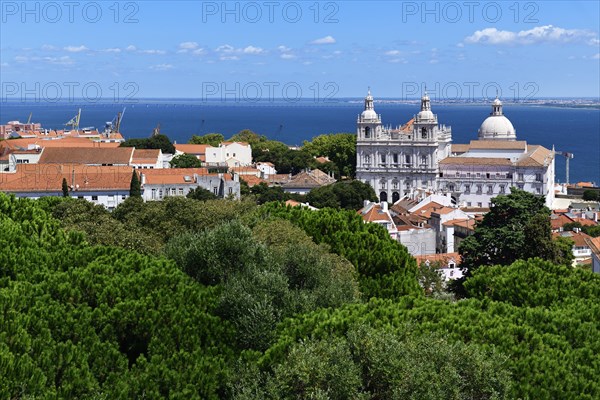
[{"x": 313, "y": 49}]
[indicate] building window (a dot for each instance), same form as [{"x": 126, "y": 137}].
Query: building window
[
  {"x": 423, "y": 133},
  {"x": 94, "y": 198},
  {"x": 520, "y": 177},
  {"x": 160, "y": 193},
  {"x": 367, "y": 132},
  {"x": 123, "y": 197},
  {"x": 467, "y": 189},
  {"x": 538, "y": 190},
  {"x": 502, "y": 189},
  {"x": 497, "y": 175},
  {"x": 408, "y": 159},
  {"x": 153, "y": 194},
  {"x": 367, "y": 159},
  {"x": 538, "y": 177},
  {"x": 215, "y": 191},
  {"x": 520, "y": 186},
  {"x": 479, "y": 205},
  {"x": 230, "y": 191},
  {"x": 490, "y": 189},
  {"x": 383, "y": 158},
  {"x": 382, "y": 184},
  {"x": 395, "y": 184},
  {"x": 468, "y": 174},
  {"x": 423, "y": 160},
  {"x": 468, "y": 204},
  {"x": 395, "y": 158},
  {"x": 457, "y": 174},
  {"x": 181, "y": 191},
  {"x": 451, "y": 187},
  {"x": 173, "y": 192},
  {"x": 479, "y": 189},
  {"x": 478, "y": 174}
]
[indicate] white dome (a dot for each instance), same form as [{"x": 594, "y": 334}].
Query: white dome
[
  {"x": 497, "y": 127},
  {"x": 425, "y": 115},
  {"x": 369, "y": 114}
]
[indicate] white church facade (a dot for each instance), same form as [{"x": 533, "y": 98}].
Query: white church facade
[{"x": 419, "y": 157}]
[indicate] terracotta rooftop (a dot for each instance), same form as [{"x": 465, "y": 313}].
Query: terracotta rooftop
[
  {"x": 475, "y": 161},
  {"x": 578, "y": 238},
  {"x": 145, "y": 156},
  {"x": 87, "y": 156},
  {"x": 498, "y": 145},
  {"x": 309, "y": 179},
  {"x": 594, "y": 245},
  {"x": 252, "y": 180},
  {"x": 455, "y": 221},
  {"x": 196, "y": 149},
  {"x": 64, "y": 142},
  {"x": 172, "y": 176},
  {"x": 374, "y": 213},
  {"x": 459, "y": 148},
  {"x": 38, "y": 178}
]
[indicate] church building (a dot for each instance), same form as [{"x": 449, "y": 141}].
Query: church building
[{"x": 419, "y": 158}]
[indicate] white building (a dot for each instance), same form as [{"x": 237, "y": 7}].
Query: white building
[
  {"x": 419, "y": 155},
  {"x": 234, "y": 154},
  {"x": 158, "y": 184}
]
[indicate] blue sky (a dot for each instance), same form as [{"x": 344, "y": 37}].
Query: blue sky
[{"x": 314, "y": 49}]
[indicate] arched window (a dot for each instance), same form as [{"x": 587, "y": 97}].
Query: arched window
[
  {"x": 382, "y": 183},
  {"x": 395, "y": 184},
  {"x": 367, "y": 132},
  {"x": 423, "y": 133},
  {"x": 395, "y": 197},
  {"x": 383, "y": 196}
]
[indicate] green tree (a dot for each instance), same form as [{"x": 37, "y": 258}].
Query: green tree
[
  {"x": 340, "y": 148},
  {"x": 569, "y": 226},
  {"x": 202, "y": 194},
  {"x": 591, "y": 195},
  {"x": 248, "y": 136},
  {"x": 155, "y": 142},
  {"x": 212, "y": 139},
  {"x": 517, "y": 226},
  {"x": 430, "y": 278},
  {"x": 65, "y": 188},
  {"x": 349, "y": 195},
  {"x": 185, "y": 161},
  {"x": 135, "y": 187}
]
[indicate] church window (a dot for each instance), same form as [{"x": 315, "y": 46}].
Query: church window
[
  {"x": 490, "y": 189},
  {"x": 383, "y": 158},
  {"x": 479, "y": 189},
  {"x": 367, "y": 132},
  {"x": 520, "y": 177},
  {"x": 467, "y": 189},
  {"x": 423, "y": 133},
  {"x": 395, "y": 158},
  {"x": 408, "y": 159},
  {"x": 538, "y": 190},
  {"x": 451, "y": 187},
  {"x": 502, "y": 189},
  {"x": 538, "y": 177},
  {"x": 382, "y": 183},
  {"x": 395, "y": 184},
  {"x": 367, "y": 159},
  {"x": 423, "y": 160},
  {"x": 458, "y": 174}
]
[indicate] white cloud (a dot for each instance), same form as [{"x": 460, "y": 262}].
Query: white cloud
[
  {"x": 539, "y": 34},
  {"x": 229, "y": 58},
  {"x": 307, "y": 63},
  {"x": 153, "y": 52},
  {"x": 596, "y": 56},
  {"x": 434, "y": 61},
  {"x": 284, "y": 49},
  {"x": 4, "y": 65},
  {"x": 594, "y": 42},
  {"x": 162, "y": 67},
  {"x": 199, "y": 52},
  {"x": 21, "y": 59},
  {"x": 460, "y": 45},
  {"x": 392, "y": 53},
  {"x": 253, "y": 50},
  {"x": 75, "y": 49},
  {"x": 225, "y": 49},
  {"x": 324, "y": 40},
  {"x": 112, "y": 50},
  {"x": 131, "y": 48},
  {"x": 287, "y": 56},
  {"x": 64, "y": 60},
  {"x": 48, "y": 47},
  {"x": 188, "y": 45}
]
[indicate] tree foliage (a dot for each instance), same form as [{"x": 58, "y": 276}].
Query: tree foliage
[
  {"x": 135, "y": 187},
  {"x": 385, "y": 267},
  {"x": 212, "y": 139},
  {"x": 155, "y": 142},
  {"x": 185, "y": 161},
  {"x": 343, "y": 194},
  {"x": 340, "y": 148},
  {"x": 591, "y": 195},
  {"x": 82, "y": 322},
  {"x": 516, "y": 227}
]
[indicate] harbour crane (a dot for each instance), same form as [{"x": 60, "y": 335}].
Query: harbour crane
[
  {"x": 568, "y": 156},
  {"x": 29, "y": 119},
  {"x": 156, "y": 131},
  {"x": 74, "y": 122}
]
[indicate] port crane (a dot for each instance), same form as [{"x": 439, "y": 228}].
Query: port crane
[
  {"x": 29, "y": 119},
  {"x": 114, "y": 126},
  {"x": 74, "y": 122},
  {"x": 568, "y": 156}
]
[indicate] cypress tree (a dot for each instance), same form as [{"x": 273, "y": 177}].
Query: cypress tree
[
  {"x": 65, "y": 188},
  {"x": 135, "y": 188}
]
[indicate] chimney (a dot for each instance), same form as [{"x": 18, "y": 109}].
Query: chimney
[
  {"x": 384, "y": 206},
  {"x": 142, "y": 179},
  {"x": 365, "y": 203}
]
